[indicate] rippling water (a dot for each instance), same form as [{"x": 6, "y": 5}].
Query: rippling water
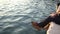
[{"x": 16, "y": 15}]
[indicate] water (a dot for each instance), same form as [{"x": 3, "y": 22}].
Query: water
[{"x": 16, "y": 15}]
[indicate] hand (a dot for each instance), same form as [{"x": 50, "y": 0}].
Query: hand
[
  {"x": 47, "y": 26},
  {"x": 53, "y": 15},
  {"x": 35, "y": 25}
]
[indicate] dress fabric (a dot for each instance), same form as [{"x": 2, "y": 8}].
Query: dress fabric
[{"x": 53, "y": 28}]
